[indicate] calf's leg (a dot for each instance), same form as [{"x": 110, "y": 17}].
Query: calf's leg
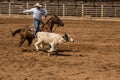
[
  {"x": 36, "y": 45},
  {"x": 51, "y": 47}
]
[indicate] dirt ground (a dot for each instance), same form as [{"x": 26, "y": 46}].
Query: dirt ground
[{"x": 95, "y": 54}]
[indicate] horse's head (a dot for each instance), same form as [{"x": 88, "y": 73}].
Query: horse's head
[
  {"x": 57, "y": 21},
  {"x": 51, "y": 21}
]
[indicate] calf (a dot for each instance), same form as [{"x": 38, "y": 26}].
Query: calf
[{"x": 52, "y": 39}]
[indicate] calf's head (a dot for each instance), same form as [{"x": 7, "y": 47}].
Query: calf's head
[{"x": 68, "y": 38}]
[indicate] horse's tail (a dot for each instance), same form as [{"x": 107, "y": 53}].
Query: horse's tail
[{"x": 15, "y": 32}]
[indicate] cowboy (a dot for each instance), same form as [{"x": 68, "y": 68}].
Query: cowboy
[{"x": 38, "y": 11}]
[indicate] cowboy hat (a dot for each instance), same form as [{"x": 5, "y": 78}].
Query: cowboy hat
[{"x": 37, "y": 5}]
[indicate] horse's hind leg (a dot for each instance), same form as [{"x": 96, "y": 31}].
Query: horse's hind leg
[
  {"x": 29, "y": 41},
  {"x": 21, "y": 42}
]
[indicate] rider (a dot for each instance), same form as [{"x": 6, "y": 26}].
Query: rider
[{"x": 38, "y": 11}]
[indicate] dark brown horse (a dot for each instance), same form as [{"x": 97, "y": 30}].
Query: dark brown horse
[{"x": 26, "y": 33}]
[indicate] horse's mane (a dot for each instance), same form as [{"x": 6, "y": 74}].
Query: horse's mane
[{"x": 49, "y": 20}]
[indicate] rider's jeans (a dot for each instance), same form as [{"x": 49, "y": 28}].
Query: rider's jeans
[{"x": 36, "y": 23}]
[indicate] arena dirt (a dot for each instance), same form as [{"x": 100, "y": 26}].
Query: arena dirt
[{"x": 95, "y": 54}]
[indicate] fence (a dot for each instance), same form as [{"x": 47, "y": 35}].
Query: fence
[{"x": 80, "y": 10}]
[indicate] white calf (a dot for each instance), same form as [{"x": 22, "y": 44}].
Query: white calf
[{"x": 52, "y": 39}]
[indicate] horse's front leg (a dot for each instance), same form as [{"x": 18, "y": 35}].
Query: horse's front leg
[{"x": 42, "y": 27}]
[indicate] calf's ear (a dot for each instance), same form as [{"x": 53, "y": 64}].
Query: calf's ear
[{"x": 65, "y": 35}]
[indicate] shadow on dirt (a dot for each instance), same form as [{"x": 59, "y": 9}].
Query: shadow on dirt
[
  {"x": 64, "y": 51},
  {"x": 59, "y": 53},
  {"x": 56, "y": 53}
]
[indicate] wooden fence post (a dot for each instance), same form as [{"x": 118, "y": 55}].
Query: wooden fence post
[
  {"x": 27, "y": 8},
  {"x": 0, "y": 11},
  {"x": 9, "y": 9},
  {"x": 102, "y": 12},
  {"x": 63, "y": 10},
  {"x": 45, "y": 5},
  {"x": 82, "y": 10},
  {"x": 115, "y": 12}
]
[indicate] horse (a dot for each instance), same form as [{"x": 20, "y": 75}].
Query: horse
[{"x": 27, "y": 32}]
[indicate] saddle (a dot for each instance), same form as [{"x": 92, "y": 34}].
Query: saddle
[{"x": 32, "y": 27}]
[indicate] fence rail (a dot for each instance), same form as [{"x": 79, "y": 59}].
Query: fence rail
[{"x": 81, "y": 10}]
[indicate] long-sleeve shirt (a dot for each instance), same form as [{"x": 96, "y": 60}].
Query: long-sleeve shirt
[{"x": 37, "y": 13}]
